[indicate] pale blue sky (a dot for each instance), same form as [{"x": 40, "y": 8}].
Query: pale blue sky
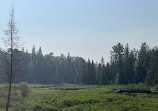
[{"x": 86, "y": 28}]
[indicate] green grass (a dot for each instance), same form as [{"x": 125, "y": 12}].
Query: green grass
[{"x": 70, "y": 97}]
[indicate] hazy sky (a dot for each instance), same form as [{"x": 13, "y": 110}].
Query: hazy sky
[{"x": 86, "y": 28}]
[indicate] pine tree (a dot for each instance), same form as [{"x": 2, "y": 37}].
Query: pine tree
[
  {"x": 93, "y": 73},
  {"x": 151, "y": 77},
  {"x": 143, "y": 62},
  {"x": 117, "y": 54},
  {"x": 99, "y": 74}
]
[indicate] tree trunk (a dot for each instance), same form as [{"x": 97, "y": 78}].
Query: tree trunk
[{"x": 11, "y": 61}]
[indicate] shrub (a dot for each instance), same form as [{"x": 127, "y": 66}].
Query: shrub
[
  {"x": 24, "y": 88},
  {"x": 67, "y": 103},
  {"x": 43, "y": 107}
]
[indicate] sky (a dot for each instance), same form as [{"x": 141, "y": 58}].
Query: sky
[{"x": 85, "y": 28}]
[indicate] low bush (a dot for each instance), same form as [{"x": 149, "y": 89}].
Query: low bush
[{"x": 24, "y": 88}]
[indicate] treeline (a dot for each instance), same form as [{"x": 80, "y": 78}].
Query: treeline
[
  {"x": 125, "y": 66},
  {"x": 47, "y": 68},
  {"x": 129, "y": 66}
]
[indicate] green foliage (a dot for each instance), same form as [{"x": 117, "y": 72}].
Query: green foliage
[
  {"x": 24, "y": 88},
  {"x": 92, "y": 98},
  {"x": 125, "y": 67},
  {"x": 87, "y": 98}
]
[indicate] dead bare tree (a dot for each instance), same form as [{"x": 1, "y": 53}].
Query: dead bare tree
[{"x": 12, "y": 43}]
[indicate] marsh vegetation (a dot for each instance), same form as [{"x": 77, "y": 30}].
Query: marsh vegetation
[{"x": 85, "y": 98}]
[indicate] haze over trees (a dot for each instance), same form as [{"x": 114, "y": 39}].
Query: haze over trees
[
  {"x": 34, "y": 81},
  {"x": 125, "y": 66}
]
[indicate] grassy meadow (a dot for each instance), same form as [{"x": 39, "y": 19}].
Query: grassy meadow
[{"x": 68, "y": 97}]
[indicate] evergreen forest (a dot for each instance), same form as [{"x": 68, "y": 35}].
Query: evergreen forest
[{"x": 126, "y": 66}]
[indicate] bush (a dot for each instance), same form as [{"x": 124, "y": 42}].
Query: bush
[
  {"x": 24, "y": 88},
  {"x": 43, "y": 107}
]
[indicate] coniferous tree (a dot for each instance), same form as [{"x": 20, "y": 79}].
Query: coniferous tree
[
  {"x": 125, "y": 72},
  {"x": 117, "y": 54},
  {"x": 93, "y": 73},
  {"x": 99, "y": 74},
  {"x": 151, "y": 78},
  {"x": 143, "y": 62}
]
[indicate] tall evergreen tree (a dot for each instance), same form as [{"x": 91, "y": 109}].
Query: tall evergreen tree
[
  {"x": 151, "y": 78},
  {"x": 117, "y": 54},
  {"x": 99, "y": 74},
  {"x": 143, "y": 62}
]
